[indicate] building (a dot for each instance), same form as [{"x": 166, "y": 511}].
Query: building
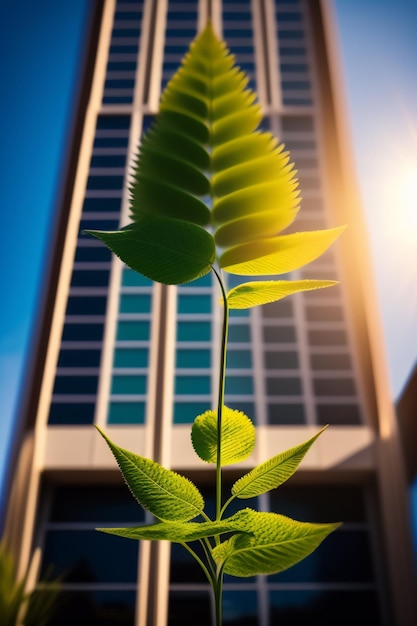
[{"x": 136, "y": 358}]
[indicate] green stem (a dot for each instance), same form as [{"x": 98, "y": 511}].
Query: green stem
[
  {"x": 220, "y": 402},
  {"x": 218, "y": 597}
]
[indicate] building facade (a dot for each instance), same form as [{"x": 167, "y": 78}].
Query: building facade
[{"x": 138, "y": 359}]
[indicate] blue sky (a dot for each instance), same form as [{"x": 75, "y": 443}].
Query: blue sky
[{"x": 42, "y": 43}]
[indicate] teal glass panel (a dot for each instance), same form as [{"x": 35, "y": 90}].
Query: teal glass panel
[
  {"x": 204, "y": 281},
  {"x": 195, "y": 303},
  {"x": 193, "y": 331},
  {"x": 128, "y": 385},
  {"x": 240, "y": 385},
  {"x": 248, "y": 408},
  {"x": 132, "y": 331},
  {"x": 134, "y": 279},
  {"x": 192, "y": 385},
  {"x": 239, "y": 312},
  {"x": 135, "y": 303},
  {"x": 193, "y": 358},
  {"x": 186, "y": 412},
  {"x": 239, "y": 333},
  {"x": 126, "y": 413},
  {"x": 131, "y": 357},
  {"x": 239, "y": 359}
]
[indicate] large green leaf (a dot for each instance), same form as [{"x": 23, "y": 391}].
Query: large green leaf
[
  {"x": 238, "y": 436},
  {"x": 251, "y": 294},
  {"x": 177, "y": 532},
  {"x": 163, "y": 249},
  {"x": 274, "y": 472},
  {"x": 166, "y": 494},
  {"x": 205, "y": 144},
  {"x": 278, "y": 255},
  {"x": 273, "y": 543}
]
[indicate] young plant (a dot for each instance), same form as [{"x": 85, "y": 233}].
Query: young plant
[{"x": 211, "y": 193}]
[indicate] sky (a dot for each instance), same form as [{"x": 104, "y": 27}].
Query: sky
[{"x": 41, "y": 46}]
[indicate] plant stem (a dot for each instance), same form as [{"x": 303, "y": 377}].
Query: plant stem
[
  {"x": 220, "y": 403},
  {"x": 218, "y": 597}
]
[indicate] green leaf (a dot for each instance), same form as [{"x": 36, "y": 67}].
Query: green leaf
[
  {"x": 251, "y": 294},
  {"x": 167, "y": 250},
  {"x": 278, "y": 255},
  {"x": 238, "y": 436},
  {"x": 274, "y": 472},
  {"x": 177, "y": 532},
  {"x": 276, "y": 543},
  {"x": 166, "y": 494}
]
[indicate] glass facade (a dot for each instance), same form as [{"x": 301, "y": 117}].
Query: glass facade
[{"x": 290, "y": 363}]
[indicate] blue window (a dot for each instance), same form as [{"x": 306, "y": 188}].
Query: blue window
[
  {"x": 126, "y": 413},
  {"x": 193, "y": 331},
  {"x": 186, "y": 412},
  {"x": 193, "y": 358},
  {"x": 239, "y": 333},
  {"x": 130, "y": 357},
  {"x": 239, "y": 385},
  {"x": 84, "y": 305},
  {"x": 131, "y": 385},
  {"x": 135, "y": 303},
  {"x": 134, "y": 279},
  {"x": 75, "y": 385},
  {"x": 192, "y": 385},
  {"x": 194, "y": 303},
  {"x": 132, "y": 331},
  {"x": 74, "y": 413},
  {"x": 239, "y": 359}
]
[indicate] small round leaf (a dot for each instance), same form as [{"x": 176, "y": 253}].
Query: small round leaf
[{"x": 238, "y": 436}]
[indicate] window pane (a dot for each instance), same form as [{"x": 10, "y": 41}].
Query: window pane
[
  {"x": 239, "y": 359},
  {"x": 192, "y": 385},
  {"x": 239, "y": 385},
  {"x": 136, "y": 331},
  {"x": 239, "y": 333},
  {"x": 286, "y": 414},
  {"x": 130, "y": 357},
  {"x": 95, "y": 608},
  {"x": 135, "y": 303},
  {"x": 133, "y": 385},
  {"x": 97, "y": 504},
  {"x": 193, "y": 358},
  {"x": 186, "y": 412},
  {"x": 281, "y": 360},
  {"x": 194, "y": 303},
  {"x": 91, "y": 557},
  {"x": 126, "y": 413},
  {"x": 279, "y": 334},
  {"x": 193, "y": 331},
  {"x": 75, "y": 413},
  {"x": 134, "y": 279}
]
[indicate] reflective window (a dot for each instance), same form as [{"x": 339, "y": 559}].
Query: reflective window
[{"x": 126, "y": 413}]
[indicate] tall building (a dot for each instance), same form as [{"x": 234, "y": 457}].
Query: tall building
[{"x": 139, "y": 358}]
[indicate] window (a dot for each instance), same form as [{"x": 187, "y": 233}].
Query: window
[{"x": 99, "y": 574}]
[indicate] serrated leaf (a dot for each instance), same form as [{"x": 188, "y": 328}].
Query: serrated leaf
[
  {"x": 254, "y": 293},
  {"x": 274, "y": 544},
  {"x": 164, "y": 493},
  {"x": 278, "y": 255},
  {"x": 167, "y": 250},
  {"x": 238, "y": 436},
  {"x": 274, "y": 472},
  {"x": 177, "y": 532}
]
